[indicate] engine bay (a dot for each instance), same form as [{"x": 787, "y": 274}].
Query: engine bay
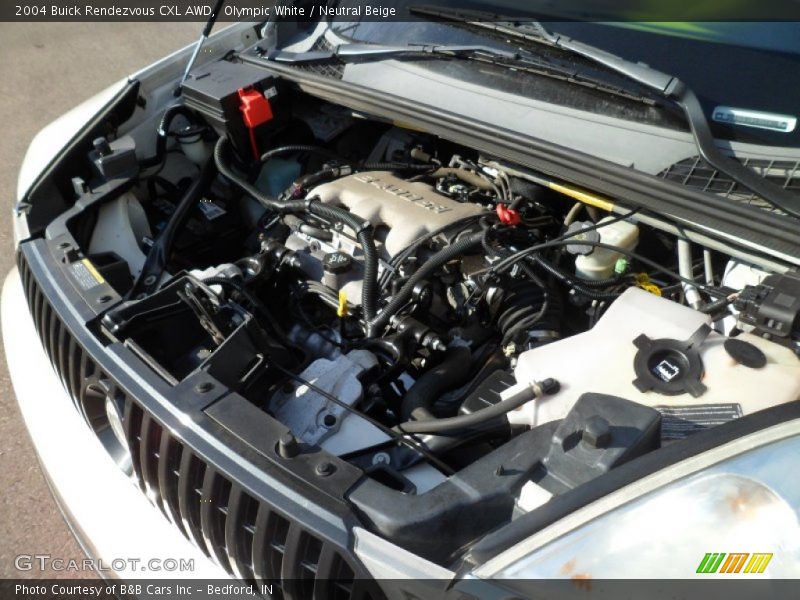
[{"x": 421, "y": 310}]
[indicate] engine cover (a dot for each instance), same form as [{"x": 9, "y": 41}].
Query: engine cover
[{"x": 407, "y": 210}]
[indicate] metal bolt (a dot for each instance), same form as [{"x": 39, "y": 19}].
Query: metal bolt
[
  {"x": 550, "y": 386},
  {"x": 203, "y": 387},
  {"x": 325, "y": 468},
  {"x": 597, "y": 432},
  {"x": 437, "y": 345},
  {"x": 150, "y": 280},
  {"x": 288, "y": 446}
]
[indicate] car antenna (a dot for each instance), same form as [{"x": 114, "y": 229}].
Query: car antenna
[{"x": 199, "y": 45}]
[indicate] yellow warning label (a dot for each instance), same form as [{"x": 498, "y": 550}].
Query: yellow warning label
[{"x": 91, "y": 268}]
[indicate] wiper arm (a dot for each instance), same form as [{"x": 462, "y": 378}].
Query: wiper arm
[
  {"x": 535, "y": 32},
  {"x": 355, "y": 52},
  {"x": 668, "y": 86}
]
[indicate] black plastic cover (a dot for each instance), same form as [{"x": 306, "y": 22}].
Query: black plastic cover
[
  {"x": 213, "y": 91},
  {"x": 773, "y": 306},
  {"x": 116, "y": 159},
  {"x": 599, "y": 433}
]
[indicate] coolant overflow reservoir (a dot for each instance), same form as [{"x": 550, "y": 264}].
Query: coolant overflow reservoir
[
  {"x": 645, "y": 349},
  {"x": 600, "y": 262}
]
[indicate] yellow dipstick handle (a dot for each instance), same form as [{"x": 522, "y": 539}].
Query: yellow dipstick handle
[{"x": 341, "y": 310}]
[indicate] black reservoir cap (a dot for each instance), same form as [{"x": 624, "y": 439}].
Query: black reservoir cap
[{"x": 337, "y": 262}]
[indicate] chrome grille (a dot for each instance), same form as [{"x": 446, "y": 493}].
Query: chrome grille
[{"x": 248, "y": 538}]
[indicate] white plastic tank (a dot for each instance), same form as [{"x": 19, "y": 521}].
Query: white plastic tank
[
  {"x": 600, "y": 263},
  {"x": 602, "y": 361}
]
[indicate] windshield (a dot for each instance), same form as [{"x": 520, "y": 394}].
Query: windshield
[{"x": 745, "y": 74}]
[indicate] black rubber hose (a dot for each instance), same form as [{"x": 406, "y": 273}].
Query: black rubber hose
[
  {"x": 451, "y": 373},
  {"x": 364, "y": 234},
  {"x": 369, "y": 285},
  {"x": 548, "y": 386},
  {"x": 159, "y": 254},
  {"x": 221, "y": 153},
  {"x": 362, "y": 229},
  {"x": 301, "y": 148},
  {"x": 336, "y": 214},
  {"x": 445, "y": 442},
  {"x": 579, "y": 285},
  {"x": 526, "y": 302},
  {"x": 163, "y": 131},
  {"x": 442, "y": 257},
  {"x": 312, "y": 179},
  {"x": 403, "y": 255},
  {"x": 320, "y": 234},
  {"x": 716, "y": 306},
  {"x": 527, "y": 307},
  {"x": 375, "y": 166},
  {"x": 394, "y": 166}
]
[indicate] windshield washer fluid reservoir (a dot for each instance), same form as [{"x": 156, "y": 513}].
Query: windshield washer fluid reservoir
[{"x": 602, "y": 361}]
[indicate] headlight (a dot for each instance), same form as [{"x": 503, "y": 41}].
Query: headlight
[{"x": 737, "y": 519}]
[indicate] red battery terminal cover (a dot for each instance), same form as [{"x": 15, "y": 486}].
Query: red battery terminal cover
[
  {"x": 508, "y": 216},
  {"x": 256, "y": 111}
]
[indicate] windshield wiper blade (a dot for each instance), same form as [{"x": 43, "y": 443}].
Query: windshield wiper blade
[
  {"x": 535, "y": 32},
  {"x": 520, "y": 60},
  {"x": 355, "y": 52},
  {"x": 668, "y": 86}
]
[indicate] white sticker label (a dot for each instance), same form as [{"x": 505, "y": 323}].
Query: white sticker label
[
  {"x": 666, "y": 370},
  {"x": 210, "y": 209},
  {"x": 754, "y": 118}
]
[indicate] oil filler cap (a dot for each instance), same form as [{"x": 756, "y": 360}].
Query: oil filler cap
[
  {"x": 337, "y": 262},
  {"x": 670, "y": 367}
]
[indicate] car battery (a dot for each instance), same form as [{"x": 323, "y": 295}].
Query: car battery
[{"x": 241, "y": 101}]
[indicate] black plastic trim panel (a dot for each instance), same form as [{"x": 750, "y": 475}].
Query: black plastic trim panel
[
  {"x": 253, "y": 518},
  {"x": 702, "y": 441}
]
